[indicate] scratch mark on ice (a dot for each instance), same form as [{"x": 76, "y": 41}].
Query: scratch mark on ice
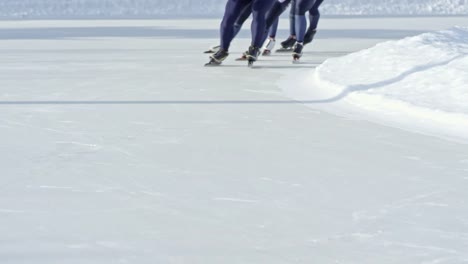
[
  {"x": 9, "y": 211},
  {"x": 412, "y": 157},
  {"x": 123, "y": 151},
  {"x": 78, "y": 144},
  {"x": 235, "y": 200},
  {"x": 79, "y": 246},
  {"x": 152, "y": 193},
  {"x": 54, "y": 187},
  {"x": 435, "y": 204},
  {"x": 424, "y": 247}
]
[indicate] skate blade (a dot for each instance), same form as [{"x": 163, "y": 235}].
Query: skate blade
[
  {"x": 251, "y": 61},
  {"x": 266, "y": 53},
  {"x": 296, "y": 58},
  {"x": 284, "y": 50},
  {"x": 241, "y": 59},
  {"x": 212, "y": 64},
  {"x": 209, "y": 52}
]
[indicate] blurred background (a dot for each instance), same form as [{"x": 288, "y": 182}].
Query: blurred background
[{"x": 73, "y": 9}]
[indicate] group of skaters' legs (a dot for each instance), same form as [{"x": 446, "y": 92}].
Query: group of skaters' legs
[{"x": 265, "y": 17}]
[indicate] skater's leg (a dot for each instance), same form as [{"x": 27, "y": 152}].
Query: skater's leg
[
  {"x": 259, "y": 28},
  {"x": 273, "y": 29},
  {"x": 270, "y": 42},
  {"x": 232, "y": 12},
  {"x": 275, "y": 11},
  {"x": 292, "y": 20},
  {"x": 314, "y": 15},
  {"x": 259, "y": 25},
  {"x": 291, "y": 40},
  {"x": 302, "y": 6},
  {"x": 273, "y": 15},
  {"x": 244, "y": 15}
]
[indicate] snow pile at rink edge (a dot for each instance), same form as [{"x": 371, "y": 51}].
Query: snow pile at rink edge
[{"x": 418, "y": 83}]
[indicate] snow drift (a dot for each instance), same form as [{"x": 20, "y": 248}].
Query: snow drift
[
  {"x": 29, "y": 9},
  {"x": 418, "y": 83}
]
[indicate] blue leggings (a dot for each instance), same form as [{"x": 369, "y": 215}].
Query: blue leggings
[
  {"x": 314, "y": 17},
  {"x": 259, "y": 25},
  {"x": 278, "y": 8},
  {"x": 300, "y": 23},
  {"x": 272, "y": 18},
  {"x": 244, "y": 15},
  {"x": 233, "y": 11},
  {"x": 273, "y": 29}
]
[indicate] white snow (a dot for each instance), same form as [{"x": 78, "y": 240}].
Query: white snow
[
  {"x": 28, "y": 9},
  {"x": 418, "y": 83}
]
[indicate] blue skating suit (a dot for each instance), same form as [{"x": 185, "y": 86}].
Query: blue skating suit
[{"x": 234, "y": 8}]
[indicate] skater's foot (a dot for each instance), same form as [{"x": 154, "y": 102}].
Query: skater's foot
[
  {"x": 252, "y": 54},
  {"x": 218, "y": 57},
  {"x": 213, "y": 49},
  {"x": 297, "y": 52},
  {"x": 288, "y": 43},
  {"x": 309, "y": 36}
]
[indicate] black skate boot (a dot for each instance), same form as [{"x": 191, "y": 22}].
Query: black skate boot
[
  {"x": 287, "y": 45},
  {"x": 217, "y": 58},
  {"x": 297, "y": 52},
  {"x": 212, "y": 49},
  {"x": 309, "y": 36},
  {"x": 252, "y": 55}
]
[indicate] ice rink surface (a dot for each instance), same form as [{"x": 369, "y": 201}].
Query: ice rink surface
[{"x": 118, "y": 146}]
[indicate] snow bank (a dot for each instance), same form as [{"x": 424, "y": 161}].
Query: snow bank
[
  {"x": 193, "y": 8},
  {"x": 419, "y": 83}
]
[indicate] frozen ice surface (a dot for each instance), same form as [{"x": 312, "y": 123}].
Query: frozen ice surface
[{"x": 117, "y": 146}]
